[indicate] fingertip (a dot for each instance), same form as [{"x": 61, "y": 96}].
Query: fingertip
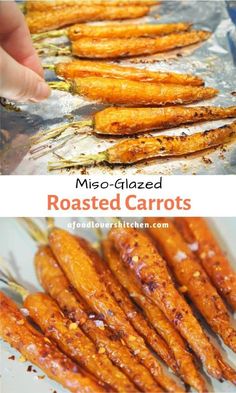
[{"x": 42, "y": 92}]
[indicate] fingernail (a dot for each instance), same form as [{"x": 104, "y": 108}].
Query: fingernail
[{"x": 42, "y": 92}]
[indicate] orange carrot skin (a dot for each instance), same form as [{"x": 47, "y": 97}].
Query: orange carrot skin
[
  {"x": 125, "y": 30},
  {"x": 189, "y": 273},
  {"x": 140, "y": 255},
  {"x": 86, "y": 281},
  {"x": 15, "y": 329},
  {"x": 134, "y": 150},
  {"x": 129, "y": 121},
  {"x": 82, "y": 68},
  {"x": 57, "y": 285},
  {"x": 133, "y": 93},
  {"x": 184, "y": 359},
  {"x": 195, "y": 230},
  {"x": 134, "y": 316},
  {"x": 46, "y": 313},
  {"x": 42, "y": 6},
  {"x": 54, "y": 19},
  {"x": 112, "y": 48}
]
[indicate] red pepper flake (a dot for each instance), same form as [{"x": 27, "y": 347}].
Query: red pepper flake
[
  {"x": 11, "y": 357},
  {"x": 29, "y": 369}
]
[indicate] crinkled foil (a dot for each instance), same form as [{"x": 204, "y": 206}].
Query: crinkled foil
[{"x": 214, "y": 60}]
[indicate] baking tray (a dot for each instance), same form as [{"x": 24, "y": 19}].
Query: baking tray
[{"x": 214, "y": 60}]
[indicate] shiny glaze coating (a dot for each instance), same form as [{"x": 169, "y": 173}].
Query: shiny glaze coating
[
  {"x": 15, "y": 329},
  {"x": 140, "y": 255},
  {"x": 189, "y": 273},
  {"x": 185, "y": 363},
  {"x": 196, "y": 231},
  {"x": 54, "y": 282}
]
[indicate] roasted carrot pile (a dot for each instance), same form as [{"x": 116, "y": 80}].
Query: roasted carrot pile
[{"x": 107, "y": 318}]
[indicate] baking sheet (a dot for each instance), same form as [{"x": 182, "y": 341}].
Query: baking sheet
[
  {"x": 18, "y": 249},
  {"x": 214, "y": 60}
]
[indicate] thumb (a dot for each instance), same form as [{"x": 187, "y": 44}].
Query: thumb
[{"x": 20, "y": 83}]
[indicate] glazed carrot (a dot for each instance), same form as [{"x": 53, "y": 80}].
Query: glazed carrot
[
  {"x": 190, "y": 274},
  {"x": 203, "y": 243},
  {"x": 79, "y": 269},
  {"x": 55, "y": 283},
  {"x": 131, "y": 93},
  {"x": 112, "y": 48},
  {"x": 129, "y": 121},
  {"x": 15, "y": 330},
  {"x": 125, "y": 30},
  {"x": 68, "y": 336},
  {"x": 184, "y": 360},
  {"x": 82, "y": 68},
  {"x": 42, "y": 6},
  {"x": 134, "y": 150},
  {"x": 140, "y": 255},
  {"x": 54, "y": 19},
  {"x": 132, "y": 313}
]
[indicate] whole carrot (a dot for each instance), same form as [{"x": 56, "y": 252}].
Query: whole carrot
[
  {"x": 79, "y": 269},
  {"x": 55, "y": 283},
  {"x": 54, "y": 19},
  {"x": 134, "y": 150},
  {"x": 15, "y": 330},
  {"x": 112, "y": 48},
  {"x": 186, "y": 367},
  {"x": 129, "y": 121},
  {"x": 128, "y": 92},
  {"x": 190, "y": 274},
  {"x": 202, "y": 242},
  {"x": 82, "y": 68},
  {"x": 140, "y": 255},
  {"x": 125, "y": 30}
]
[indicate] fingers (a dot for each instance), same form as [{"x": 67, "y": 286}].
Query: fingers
[
  {"x": 20, "y": 83},
  {"x": 15, "y": 37}
]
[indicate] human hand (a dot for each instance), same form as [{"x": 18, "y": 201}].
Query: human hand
[{"x": 20, "y": 70}]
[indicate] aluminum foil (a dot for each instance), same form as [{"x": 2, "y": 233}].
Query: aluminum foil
[{"x": 214, "y": 61}]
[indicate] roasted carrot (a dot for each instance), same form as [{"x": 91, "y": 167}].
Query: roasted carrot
[
  {"x": 190, "y": 274},
  {"x": 125, "y": 30},
  {"x": 54, "y": 19},
  {"x": 82, "y": 68},
  {"x": 128, "y": 121},
  {"x": 184, "y": 360},
  {"x": 79, "y": 269},
  {"x": 68, "y": 336},
  {"x": 132, "y": 313},
  {"x": 42, "y": 6},
  {"x": 134, "y": 150},
  {"x": 55, "y": 283},
  {"x": 112, "y": 48},
  {"x": 131, "y": 93},
  {"x": 203, "y": 243},
  {"x": 140, "y": 255},
  {"x": 15, "y": 330}
]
